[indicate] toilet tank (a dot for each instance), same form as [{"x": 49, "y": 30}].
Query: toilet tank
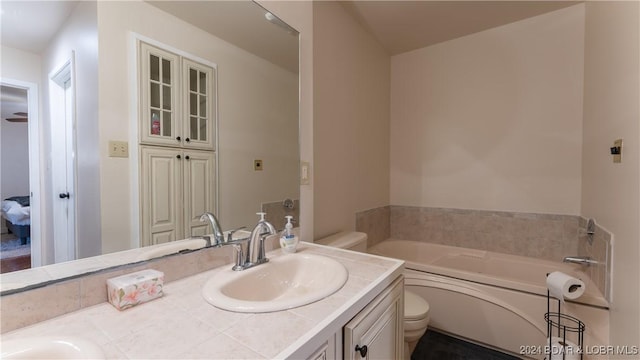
[{"x": 350, "y": 240}]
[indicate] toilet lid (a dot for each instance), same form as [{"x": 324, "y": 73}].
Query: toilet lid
[{"x": 415, "y": 307}]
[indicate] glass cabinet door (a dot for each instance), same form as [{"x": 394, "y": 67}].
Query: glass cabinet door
[
  {"x": 159, "y": 102},
  {"x": 199, "y": 113}
]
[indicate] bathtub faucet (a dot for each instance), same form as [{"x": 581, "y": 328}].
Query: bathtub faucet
[{"x": 582, "y": 260}]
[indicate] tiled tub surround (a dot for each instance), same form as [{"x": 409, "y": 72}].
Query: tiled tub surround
[
  {"x": 544, "y": 236},
  {"x": 182, "y": 325}
]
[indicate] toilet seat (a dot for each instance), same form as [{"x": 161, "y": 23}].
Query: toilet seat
[
  {"x": 415, "y": 307},
  {"x": 416, "y": 316}
]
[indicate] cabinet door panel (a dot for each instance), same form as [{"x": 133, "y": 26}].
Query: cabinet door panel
[
  {"x": 159, "y": 103},
  {"x": 161, "y": 186},
  {"x": 199, "y": 110},
  {"x": 199, "y": 190},
  {"x": 379, "y": 327}
]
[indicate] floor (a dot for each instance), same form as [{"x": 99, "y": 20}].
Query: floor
[
  {"x": 437, "y": 346},
  {"x": 13, "y": 255}
]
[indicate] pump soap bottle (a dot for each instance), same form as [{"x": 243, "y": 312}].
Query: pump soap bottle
[{"x": 288, "y": 240}]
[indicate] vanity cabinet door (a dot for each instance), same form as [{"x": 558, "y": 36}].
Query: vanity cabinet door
[
  {"x": 199, "y": 190},
  {"x": 161, "y": 192},
  {"x": 377, "y": 332}
]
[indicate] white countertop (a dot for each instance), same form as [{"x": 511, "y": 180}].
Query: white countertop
[{"x": 182, "y": 324}]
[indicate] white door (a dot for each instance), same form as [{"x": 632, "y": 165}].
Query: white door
[{"x": 63, "y": 155}]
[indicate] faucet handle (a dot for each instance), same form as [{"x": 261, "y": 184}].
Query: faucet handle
[
  {"x": 231, "y": 232},
  {"x": 262, "y": 215}
]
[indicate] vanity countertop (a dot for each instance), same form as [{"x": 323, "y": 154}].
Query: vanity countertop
[{"x": 182, "y": 324}]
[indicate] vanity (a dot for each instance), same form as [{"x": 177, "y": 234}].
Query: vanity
[{"x": 362, "y": 318}]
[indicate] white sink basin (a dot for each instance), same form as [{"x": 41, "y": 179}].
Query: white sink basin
[
  {"x": 51, "y": 347},
  {"x": 284, "y": 282}
]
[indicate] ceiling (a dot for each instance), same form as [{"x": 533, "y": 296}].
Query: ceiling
[
  {"x": 29, "y": 25},
  {"x": 402, "y": 26}
]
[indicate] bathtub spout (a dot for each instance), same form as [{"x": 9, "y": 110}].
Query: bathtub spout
[{"x": 582, "y": 260}]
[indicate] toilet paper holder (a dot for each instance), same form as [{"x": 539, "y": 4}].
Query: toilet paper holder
[{"x": 562, "y": 331}]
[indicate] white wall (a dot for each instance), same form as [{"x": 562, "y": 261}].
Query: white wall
[
  {"x": 611, "y": 192},
  {"x": 15, "y": 159},
  {"x": 246, "y": 85},
  {"x": 492, "y": 120},
  {"x": 350, "y": 120},
  {"x": 79, "y": 35}
]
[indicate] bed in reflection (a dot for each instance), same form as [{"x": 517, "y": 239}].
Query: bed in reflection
[{"x": 17, "y": 215}]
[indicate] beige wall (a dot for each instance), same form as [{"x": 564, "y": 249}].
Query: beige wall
[
  {"x": 299, "y": 15},
  {"x": 247, "y": 85},
  {"x": 350, "y": 120},
  {"x": 492, "y": 120},
  {"x": 21, "y": 66},
  {"x": 611, "y": 192}
]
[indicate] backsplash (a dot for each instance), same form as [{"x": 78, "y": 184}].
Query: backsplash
[
  {"x": 546, "y": 236},
  {"x": 276, "y": 211}
]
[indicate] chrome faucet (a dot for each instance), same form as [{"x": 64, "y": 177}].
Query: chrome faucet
[
  {"x": 218, "y": 237},
  {"x": 582, "y": 260},
  {"x": 255, "y": 249}
]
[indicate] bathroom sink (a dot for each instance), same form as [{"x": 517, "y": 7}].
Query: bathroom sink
[
  {"x": 51, "y": 347},
  {"x": 285, "y": 282}
]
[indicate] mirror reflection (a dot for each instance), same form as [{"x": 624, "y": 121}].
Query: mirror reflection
[{"x": 136, "y": 117}]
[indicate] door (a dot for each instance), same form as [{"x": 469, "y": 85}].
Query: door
[
  {"x": 61, "y": 92},
  {"x": 161, "y": 187},
  {"x": 199, "y": 191}
]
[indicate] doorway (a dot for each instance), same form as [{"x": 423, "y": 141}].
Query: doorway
[{"x": 20, "y": 175}]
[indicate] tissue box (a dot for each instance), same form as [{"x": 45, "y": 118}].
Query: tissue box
[{"x": 132, "y": 289}]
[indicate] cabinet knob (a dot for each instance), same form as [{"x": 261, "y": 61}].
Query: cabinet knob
[
  {"x": 64, "y": 195},
  {"x": 362, "y": 350},
  {"x": 187, "y": 139},
  {"x": 187, "y": 157},
  {"x": 178, "y": 138},
  {"x": 178, "y": 157}
]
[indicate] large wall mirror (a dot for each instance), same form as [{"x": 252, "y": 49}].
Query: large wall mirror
[{"x": 80, "y": 79}]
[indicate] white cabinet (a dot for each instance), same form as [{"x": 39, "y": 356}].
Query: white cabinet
[
  {"x": 377, "y": 332},
  {"x": 177, "y": 186},
  {"x": 177, "y": 100}
]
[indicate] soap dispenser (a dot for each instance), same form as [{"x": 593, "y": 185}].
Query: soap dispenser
[{"x": 288, "y": 240}]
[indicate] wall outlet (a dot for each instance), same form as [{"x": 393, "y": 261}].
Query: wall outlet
[
  {"x": 257, "y": 165},
  {"x": 118, "y": 149}
]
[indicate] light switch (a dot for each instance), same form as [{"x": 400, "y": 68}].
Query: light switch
[
  {"x": 118, "y": 149},
  {"x": 304, "y": 173}
]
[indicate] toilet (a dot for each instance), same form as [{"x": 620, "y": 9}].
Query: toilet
[
  {"x": 416, "y": 320},
  {"x": 416, "y": 309}
]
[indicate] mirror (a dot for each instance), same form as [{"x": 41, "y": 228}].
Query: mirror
[{"x": 255, "y": 58}]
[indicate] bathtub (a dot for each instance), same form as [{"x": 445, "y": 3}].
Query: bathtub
[{"x": 494, "y": 299}]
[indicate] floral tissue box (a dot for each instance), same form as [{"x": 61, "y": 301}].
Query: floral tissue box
[{"x": 132, "y": 289}]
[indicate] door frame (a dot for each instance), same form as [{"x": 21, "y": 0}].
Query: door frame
[{"x": 35, "y": 182}]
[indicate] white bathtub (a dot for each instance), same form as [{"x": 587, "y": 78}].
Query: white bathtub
[{"x": 492, "y": 298}]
